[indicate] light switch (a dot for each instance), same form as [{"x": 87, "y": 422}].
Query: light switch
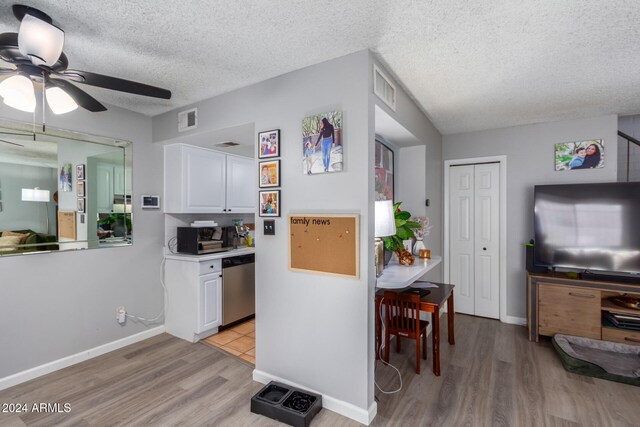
[{"x": 269, "y": 227}]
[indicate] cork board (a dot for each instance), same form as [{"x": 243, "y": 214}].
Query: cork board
[
  {"x": 326, "y": 244},
  {"x": 67, "y": 225}
]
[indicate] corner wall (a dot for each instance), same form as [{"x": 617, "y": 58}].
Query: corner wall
[
  {"x": 311, "y": 329},
  {"x": 531, "y": 161},
  {"x": 60, "y": 304}
]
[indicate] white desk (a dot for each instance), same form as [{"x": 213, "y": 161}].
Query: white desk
[{"x": 397, "y": 276}]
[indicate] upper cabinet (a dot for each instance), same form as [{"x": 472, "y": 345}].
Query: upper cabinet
[{"x": 198, "y": 180}]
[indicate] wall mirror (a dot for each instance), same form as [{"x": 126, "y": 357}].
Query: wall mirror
[{"x": 61, "y": 190}]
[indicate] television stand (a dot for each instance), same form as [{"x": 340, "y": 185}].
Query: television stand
[
  {"x": 633, "y": 279},
  {"x": 558, "y": 304}
]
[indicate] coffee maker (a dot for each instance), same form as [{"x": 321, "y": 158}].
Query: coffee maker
[{"x": 234, "y": 236}]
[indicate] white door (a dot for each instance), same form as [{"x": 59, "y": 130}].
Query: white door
[
  {"x": 241, "y": 185},
  {"x": 205, "y": 180},
  {"x": 210, "y": 301},
  {"x": 474, "y": 206}
]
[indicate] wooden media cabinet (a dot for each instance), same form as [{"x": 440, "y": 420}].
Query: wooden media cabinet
[{"x": 557, "y": 304}]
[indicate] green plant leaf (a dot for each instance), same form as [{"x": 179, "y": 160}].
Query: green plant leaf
[
  {"x": 403, "y": 215},
  {"x": 413, "y": 224}
]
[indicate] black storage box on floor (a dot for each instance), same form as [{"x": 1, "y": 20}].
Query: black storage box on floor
[{"x": 286, "y": 404}]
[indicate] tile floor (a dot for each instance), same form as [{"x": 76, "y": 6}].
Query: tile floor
[{"x": 239, "y": 340}]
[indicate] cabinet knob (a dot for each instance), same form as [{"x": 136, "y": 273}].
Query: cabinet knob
[
  {"x": 229, "y": 210},
  {"x": 211, "y": 266},
  {"x": 484, "y": 249}
]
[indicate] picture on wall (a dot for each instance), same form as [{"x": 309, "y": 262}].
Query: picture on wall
[
  {"x": 65, "y": 177},
  {"x": 580, "y": 155},
  {"x": 384, "y": 172},
  {"x": 270, "y": 203},
  {"x": 269, "y": 173},
  {"x": 80, "y": 172},
  {"x": 81, "y": 189},
  {"x": 322, "y": 145},
  {"x": 81, "y": 205},
  {"x": 269, "y": 144}
]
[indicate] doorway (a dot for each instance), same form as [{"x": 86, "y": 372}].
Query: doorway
[{"x": 475, "y": 235}]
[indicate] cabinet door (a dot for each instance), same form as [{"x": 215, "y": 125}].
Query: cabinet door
[
  {"x": 240, "y": 185},
  {"x": 204, "y": 180},
  {"x": 210, "y": 302},
  {"x": 569, "y": 310},
  {"x": 122, "y": 180}
]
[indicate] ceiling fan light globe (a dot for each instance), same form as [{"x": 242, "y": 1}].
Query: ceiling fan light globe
[
  {"x": 17, "y": 92},
  {"x": 40, "y": 41},
  {"x": 59, "y": 101}
]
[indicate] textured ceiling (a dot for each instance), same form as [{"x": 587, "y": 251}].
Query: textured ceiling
[{"x": 469, "y": 64}]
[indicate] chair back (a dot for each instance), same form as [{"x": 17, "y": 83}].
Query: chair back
[{"x": 402, "y": 313}]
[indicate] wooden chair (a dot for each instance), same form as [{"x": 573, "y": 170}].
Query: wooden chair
[{"x": 403, "y": 321}]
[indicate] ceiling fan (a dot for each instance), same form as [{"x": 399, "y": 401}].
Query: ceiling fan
[{"x": 36, "y": 52}]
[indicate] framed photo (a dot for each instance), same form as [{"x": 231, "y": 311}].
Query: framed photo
[
  {"x": 270, "y": 202},
  {"x": 81, "y": 189},
  {"x": 80, "y": 172},
  {"x": 65, "y": 177},
  {"x": 269, "y": 173},
  {"x": 384, "y": 172},
  {"x": 81, "y": 205},
  {"x": 269, "y": 144},
  {"x": 322, "y": 145},
  {"x": 580, "y": 155}
]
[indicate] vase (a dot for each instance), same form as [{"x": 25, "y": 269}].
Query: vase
[{"x": 419, "y": 245}]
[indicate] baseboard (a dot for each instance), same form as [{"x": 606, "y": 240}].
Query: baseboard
[
  {"x": 513, "y": 320},
  {"x": 56, "y": 365},
  {"x": 331, "y": 403}
]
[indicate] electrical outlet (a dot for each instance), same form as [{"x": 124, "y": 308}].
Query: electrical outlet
[{"x": 121, "y": 314}]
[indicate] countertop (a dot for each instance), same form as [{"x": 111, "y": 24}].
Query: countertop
[
  {"x": 396, "y": 276},
  {"x": 246, "y": 250}
]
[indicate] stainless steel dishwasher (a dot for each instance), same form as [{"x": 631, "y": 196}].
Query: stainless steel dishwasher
[{"x": 238, "y": 288}]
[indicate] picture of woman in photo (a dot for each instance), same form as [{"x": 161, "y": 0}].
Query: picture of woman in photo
[
  {"x": 328, "y": 136},
  {"x": 592, "y": 159}
]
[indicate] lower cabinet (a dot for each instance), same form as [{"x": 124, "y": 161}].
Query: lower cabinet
[
  {"x": 210, "y": 304},
  {"x": 569, "y": 310},
  {"x": 194, "y": 294}
]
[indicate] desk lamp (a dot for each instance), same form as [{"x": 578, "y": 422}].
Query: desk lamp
[{"x": 385, "y": 225}]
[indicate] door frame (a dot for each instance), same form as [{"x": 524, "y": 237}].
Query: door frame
[{"x": 502, "y": 159}]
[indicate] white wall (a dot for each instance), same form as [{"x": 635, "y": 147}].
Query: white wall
[
  {"x": 310, "y": 329},
  {"x": 530, "y": 161},
  {"x": 56, "y": 305},
  {"x": 19, "y": 215}
]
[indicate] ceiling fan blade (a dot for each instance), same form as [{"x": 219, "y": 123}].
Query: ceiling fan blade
[
  {"x": 19, "y": 10},
  {"x": 115, "y": 83},
  {"x": 9, "y": 51},
  {"x": 5, "y": 71},
  {"x": 81, "y": 97}
]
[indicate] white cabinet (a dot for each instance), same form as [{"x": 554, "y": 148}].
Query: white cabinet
[
  {"x": 194, "y": 293},
  {"x": 122, "y": 180},
  {"x": 240, "y": 185},
  {"x": 104, "y": 188},
  {"x": 210, "y": 305},
  {"x": 198, "y": 180}
]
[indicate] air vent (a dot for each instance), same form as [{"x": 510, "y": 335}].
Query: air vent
[
  {"x": 383, "y": 88},
  {"x": 187, "y": 120},
  {"x": 227, "y": 144}
]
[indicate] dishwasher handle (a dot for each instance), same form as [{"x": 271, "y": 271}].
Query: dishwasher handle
[{"x": 238, "y": 260}]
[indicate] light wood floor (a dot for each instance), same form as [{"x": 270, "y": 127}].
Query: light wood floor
[{"x": 492, "y": 377}]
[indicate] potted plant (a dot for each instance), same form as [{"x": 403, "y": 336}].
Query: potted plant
[{"x": 404, "y": 231}]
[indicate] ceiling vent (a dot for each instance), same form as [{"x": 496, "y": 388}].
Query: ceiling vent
[
  {"x": 227, "y": 144},
  {"x": 187, "y": 120},
  {"x": 383, "y": 88}
]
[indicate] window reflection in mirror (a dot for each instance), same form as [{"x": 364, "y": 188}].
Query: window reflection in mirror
[{"x": 61, "y": 190}]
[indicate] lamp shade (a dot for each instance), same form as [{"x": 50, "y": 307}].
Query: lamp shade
[
  {"x": 35, "y": 195},
  {"x": 40, "y": 41},
  {"x": 59, "y": 101},
  {"x": 385, "y": 219},
  {"x": 17, "y": 92}
]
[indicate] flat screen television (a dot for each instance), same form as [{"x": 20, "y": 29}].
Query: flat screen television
[{"x": 590, "y": 227}]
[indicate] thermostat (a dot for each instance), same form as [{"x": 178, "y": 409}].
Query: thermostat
[{"x": 150, "y": 202}]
